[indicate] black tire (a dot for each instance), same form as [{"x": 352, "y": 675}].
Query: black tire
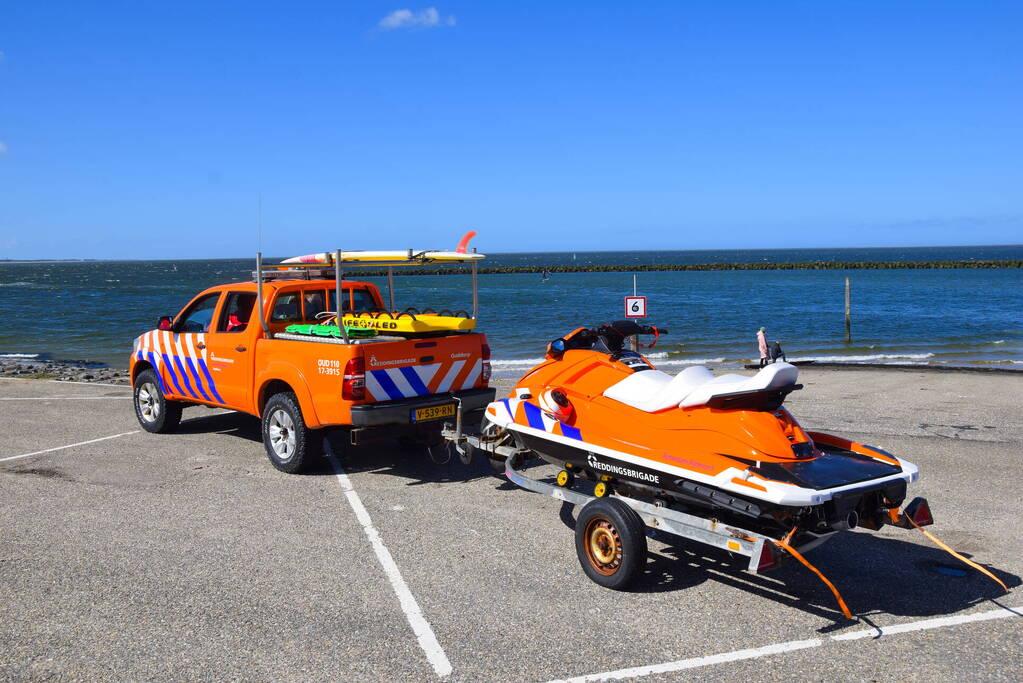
[
  {"x": 610, "y": 540},
  {"x": 152, "y": 409},
  {"x": 289, "y": 444}
]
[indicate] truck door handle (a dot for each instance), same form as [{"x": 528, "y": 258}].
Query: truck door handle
[
  {"x": 200, "y": 345},
  {"x": 239, "y": 348}
]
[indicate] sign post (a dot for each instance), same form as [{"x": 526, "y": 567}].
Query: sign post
[{"x": 635, "y": 307}]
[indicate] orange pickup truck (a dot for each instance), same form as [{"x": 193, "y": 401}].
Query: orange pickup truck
[{"x": 223, "y": 350}]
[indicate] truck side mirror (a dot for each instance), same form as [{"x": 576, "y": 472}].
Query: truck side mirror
[{"x": 164, "y": 324}]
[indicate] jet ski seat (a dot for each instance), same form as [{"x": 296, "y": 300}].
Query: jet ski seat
[{"x": 653, "y": 390}]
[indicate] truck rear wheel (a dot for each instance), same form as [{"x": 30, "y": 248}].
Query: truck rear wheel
[
  {"x": 610, "y": 540},
  {"x": 154, "y": 412},
  {"x": 288, "y": 442}
]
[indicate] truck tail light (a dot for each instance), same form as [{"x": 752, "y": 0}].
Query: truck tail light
[
  {"x": 485, "y": 350},
  {"x": 353, "y": 388}
]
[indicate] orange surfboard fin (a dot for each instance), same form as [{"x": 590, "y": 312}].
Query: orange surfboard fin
[{"x": 463, "y": 244}]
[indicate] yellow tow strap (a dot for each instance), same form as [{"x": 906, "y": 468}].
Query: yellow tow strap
[{"x": 784, "y": 543}]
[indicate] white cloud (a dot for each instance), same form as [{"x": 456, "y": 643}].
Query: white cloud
[{"x": 406, "y": 18}]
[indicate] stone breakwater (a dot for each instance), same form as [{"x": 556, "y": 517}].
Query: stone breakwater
[
  {"x": 653, "y": 267},
  {"x": 66, "y": 370}
]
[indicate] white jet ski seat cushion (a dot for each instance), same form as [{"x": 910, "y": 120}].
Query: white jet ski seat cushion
[{"x": 653, "y": 390}]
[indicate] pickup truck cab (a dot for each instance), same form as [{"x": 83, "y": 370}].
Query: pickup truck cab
[{"x": 222, "y": 351}]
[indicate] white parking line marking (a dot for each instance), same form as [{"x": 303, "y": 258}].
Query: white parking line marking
[
  {"x": 64, "y": 398},
  {"x": 94, "y": 384},
  {"x": 697, "y": 662},
  {"x": 69, "y": 381},
  {"x": 424, "y": 633},
  {"x": 636, "y": 672},
  {"x": 1003, "y": 613},
  {"x": 60, "y": 448}
]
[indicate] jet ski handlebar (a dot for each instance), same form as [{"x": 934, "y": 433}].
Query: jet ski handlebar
[
  {"x": 609, "y": 338},
  {"x": 615, "y": 334}
]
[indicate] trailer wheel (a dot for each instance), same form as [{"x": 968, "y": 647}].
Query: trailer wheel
[
  {"x": 154, "y": 412},
  {"x": 288, "y": 442},
  {"x": 610, "y": 541}
]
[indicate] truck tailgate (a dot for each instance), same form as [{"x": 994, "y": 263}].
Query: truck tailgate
[{"x": 423, "y": 367}]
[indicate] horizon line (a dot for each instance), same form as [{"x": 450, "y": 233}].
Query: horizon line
[{"x": 496, "y": 253}]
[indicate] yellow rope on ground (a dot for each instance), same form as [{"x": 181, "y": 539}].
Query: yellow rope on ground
[
  {"x": 956, "y": 555},
  {"x": 784, "y": 543}
]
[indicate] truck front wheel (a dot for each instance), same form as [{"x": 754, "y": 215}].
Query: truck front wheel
[
  {"x": 287, "y": 439},
  {"x": 154, "y": 412}
]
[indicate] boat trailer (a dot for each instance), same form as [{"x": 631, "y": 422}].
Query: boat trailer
[{"x": 611, "y": 530}]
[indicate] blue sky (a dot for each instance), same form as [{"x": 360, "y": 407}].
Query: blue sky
[{"x": 150, "y": 129}]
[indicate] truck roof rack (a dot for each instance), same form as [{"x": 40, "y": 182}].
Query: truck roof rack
[
  {"x": 294, "y": 274},
  {"x": 327, "y": 266}
]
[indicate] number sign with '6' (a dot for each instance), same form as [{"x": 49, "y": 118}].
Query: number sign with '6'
[{"x": 635, "y": 307}]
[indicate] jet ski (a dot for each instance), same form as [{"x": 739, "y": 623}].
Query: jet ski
[{"x": 695, "y": 441}]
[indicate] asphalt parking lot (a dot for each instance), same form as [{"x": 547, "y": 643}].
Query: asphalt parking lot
[{"x": 126, "y": 555}]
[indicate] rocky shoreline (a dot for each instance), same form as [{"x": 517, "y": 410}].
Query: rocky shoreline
[{"x": 64, "y": 370}]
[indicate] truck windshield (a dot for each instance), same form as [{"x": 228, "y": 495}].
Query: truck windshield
[{"x": 199, "y": 315}]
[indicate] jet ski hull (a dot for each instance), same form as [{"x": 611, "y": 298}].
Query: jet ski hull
[{"x": 724, "y": 444}]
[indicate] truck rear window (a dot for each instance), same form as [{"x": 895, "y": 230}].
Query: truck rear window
[
  {"x": 363, "y": 300},
  {"x": 304, "y": 305},
  {"x": 286, "y": 308},
  {"x": 313, "y": 303}
]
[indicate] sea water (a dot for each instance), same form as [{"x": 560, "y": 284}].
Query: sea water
[{"x": 972, "y": 317}]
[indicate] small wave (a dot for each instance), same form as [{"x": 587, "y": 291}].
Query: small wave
[
  {"x": 689, "y": 361},
  {"x": 1004, "y": 361},
  {"x": 15, "y": 284},
  {"x": 866, "y": 359},
  {"x": 998, "y": 341},
  {"x": 19, "y": 355},
  {"x": 516, "y": 362}
]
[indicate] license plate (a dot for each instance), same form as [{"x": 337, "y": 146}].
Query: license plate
[{"x": 433, "y": 413}]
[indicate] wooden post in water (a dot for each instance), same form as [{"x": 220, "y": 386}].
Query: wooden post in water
[{"x": 848, "y": 332}]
